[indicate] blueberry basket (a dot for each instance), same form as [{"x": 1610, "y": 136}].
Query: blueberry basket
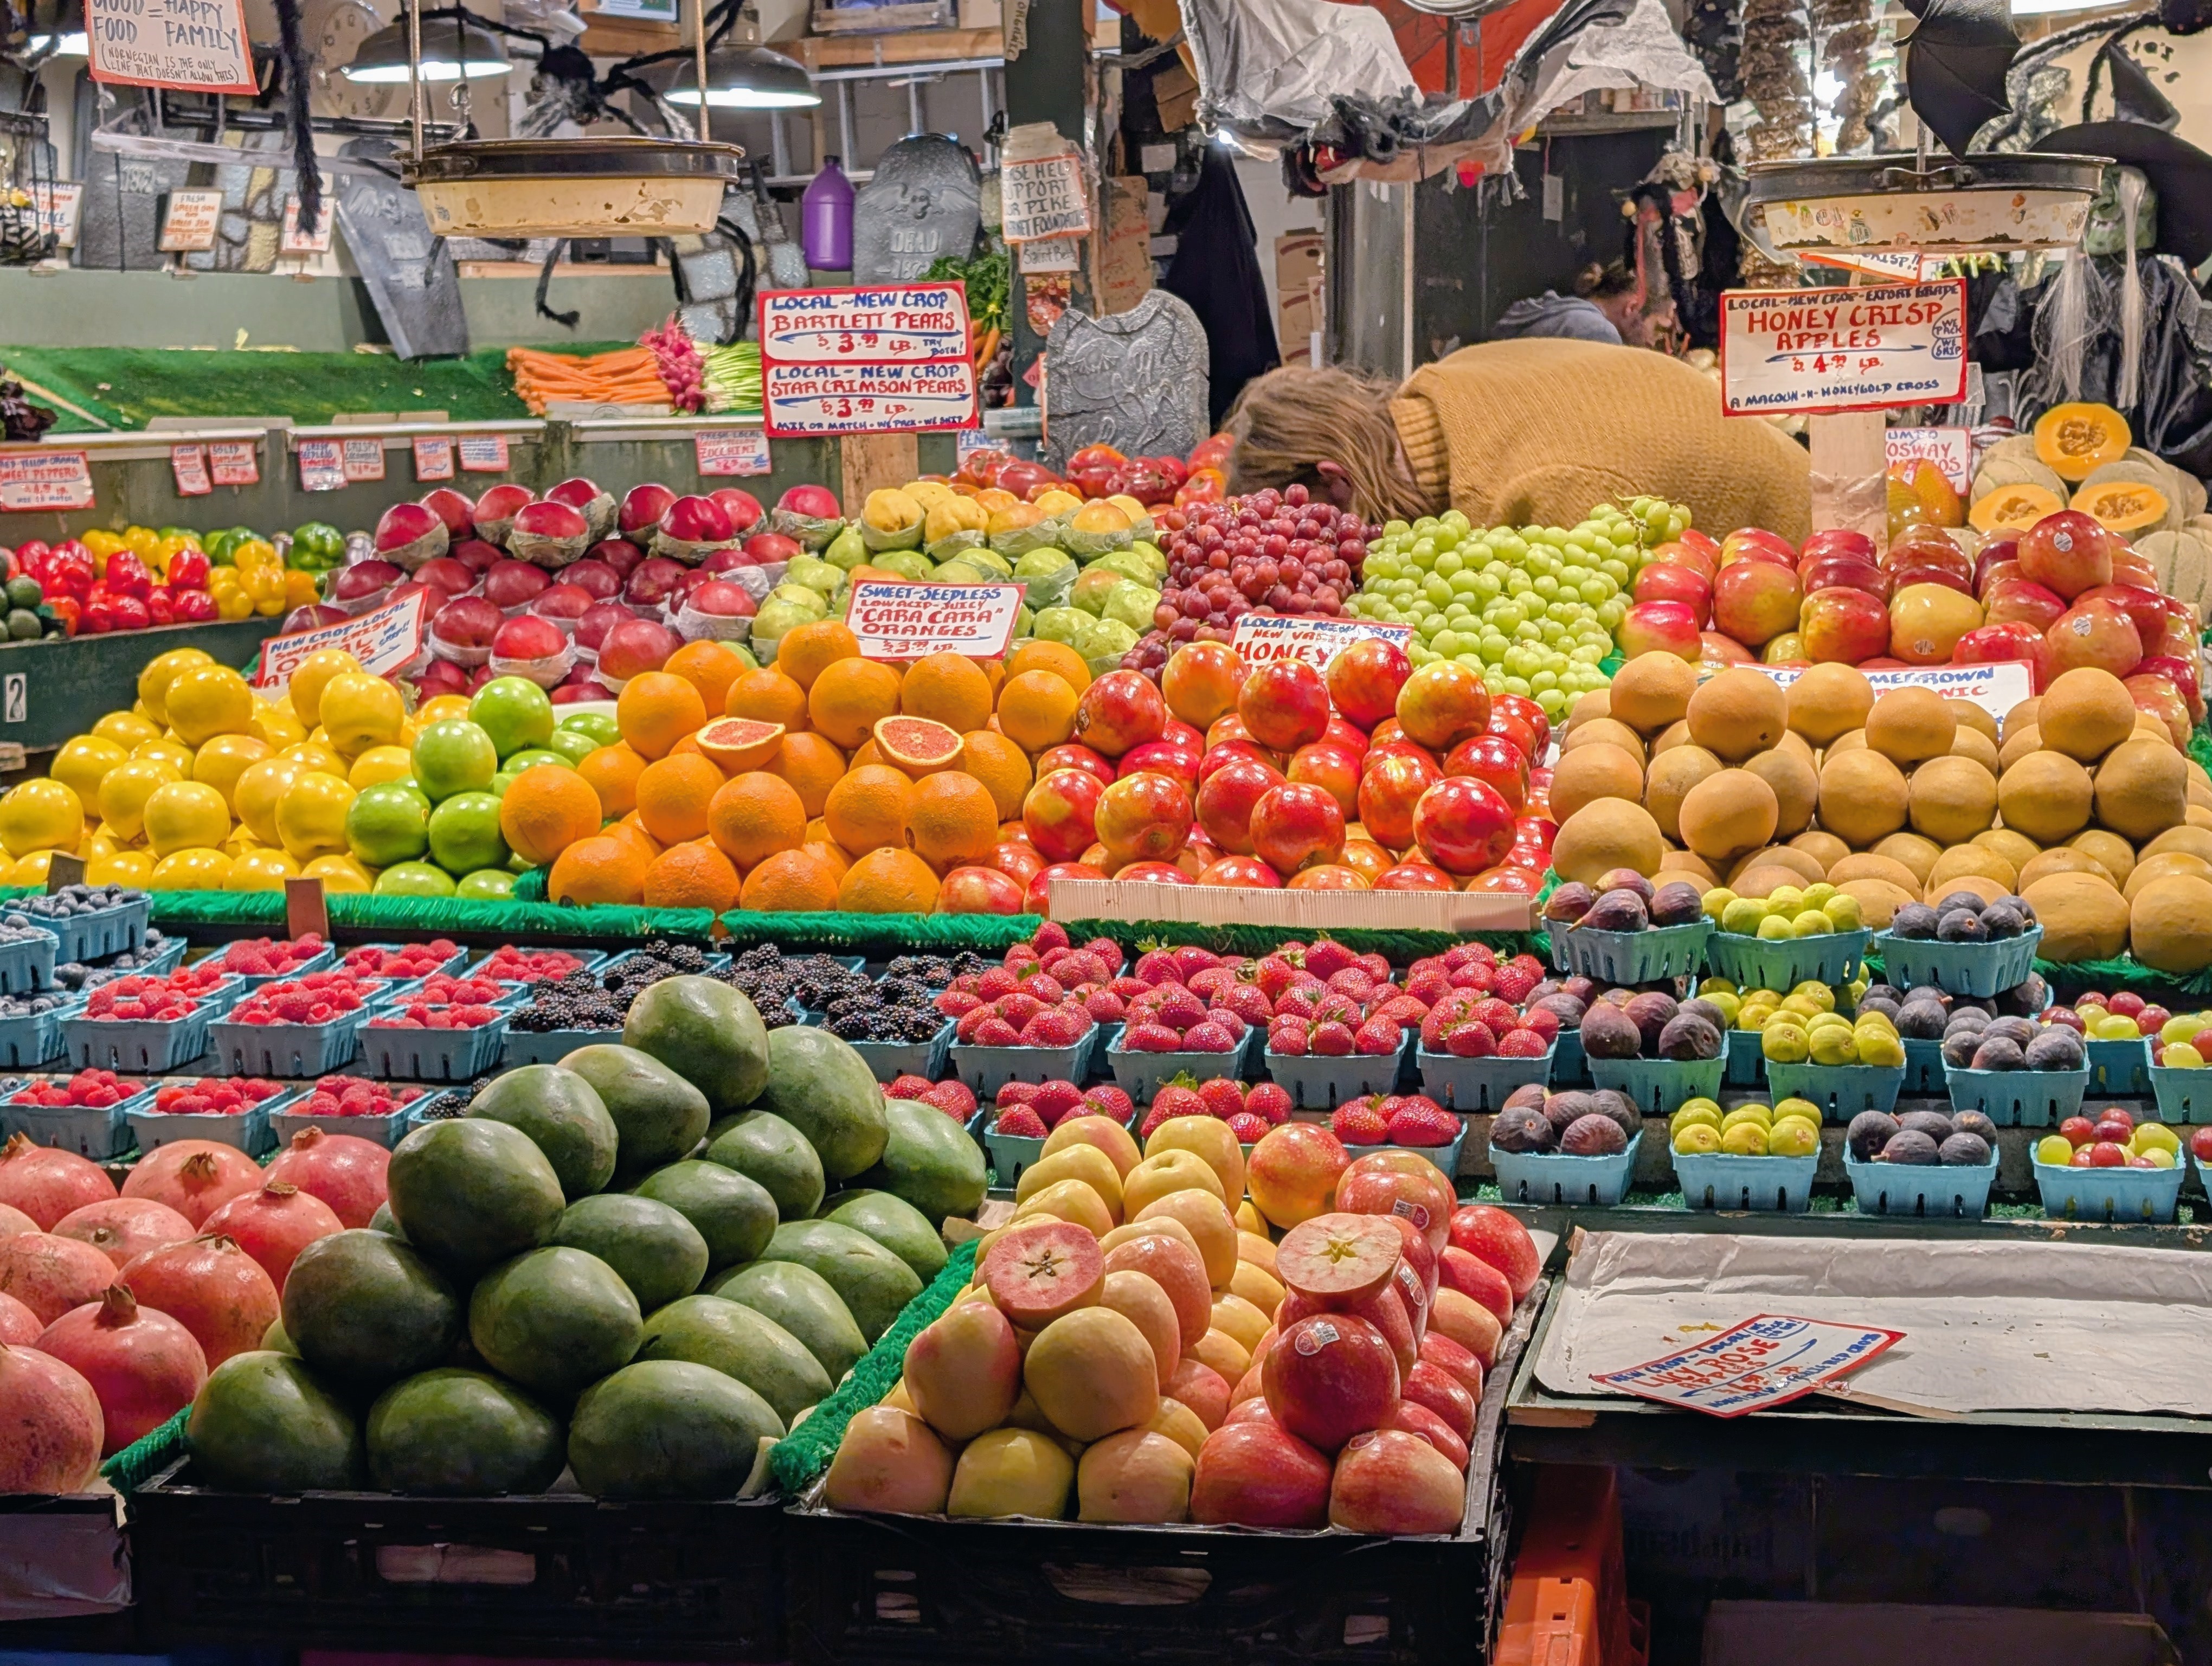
[
  {"x": 2184, "y": 1095},
  {"x": 1759, "y": 963},
  {"x": 2110, "y": 1194},
  {"x": 287, "y": 1049},
  {"x": 1924, "y": 1066},
  {"x": 1964, "y": 968},
  {"x": 1539, "y": 1178},
  {"x": 1656, "y": 1086},
  {"x": 134, "y": 1044},
  {"x": 549, "y": 1046},
  {"x": 2018, "y": 1098},
  {"x": 408, "y": 1053},
  {"x": 1746, "y": 1063},
  {"x": 890, "y": 1061},
  {"x": 1141, "y": 1075},
  {"x": 1769, "y": 1185},
  {"x": 1841, "y": 1090},
  {"x": 985, "y": 1070},
  {"x": 385, "y": 1130},
  {"x": 1322, "y": 1082},
  {"x": 2119, "y": 1069},
  {"x": 96, "y": 935},
  {"x": 32, "y": 1039},
  {"x": 1932, "y": 1191},
  {"x": 1630, "y": 957},
  {"x": 1479, "y": 1084},
  {"x": 248, "y": 1130},
  {"x": 27, "y": 964}
]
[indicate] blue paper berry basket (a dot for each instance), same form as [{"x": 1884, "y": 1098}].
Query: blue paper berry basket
[
  {"x": 1841, "y": 1090},
  {"x": 986, "y": 1069},
  {"x": 320, "y": 962},
  {"x": 1011, "y": 1154},
  {"x": 1630, "y": 957},
  {"x": 2120, "y": 1069},
  {"x": 1763, "y": 1185},
  {"x": 1570, "y": 1064},
  {"x": 1924, "y": 1066},
  {"x": 1479, "y": 1084},
  {"x": 2109, "y": 1194},
  {"x": 386, "y": 1130},
  {"x": 1746, "y": 1063},
  {"x": 1656, "y": 1086},
  {"x": 1930, "y": 1191},
  {"x": 83, "y": 938},
  {"x": 549, "y": 1046},
  {"x": 287, "y": 1049},
  {"x": 98, "y": 1132},
  {"x": 1759, "y": 963},
  {"x": 147, "y": 1045},
  {"x": 2183, "y": 1095},
  {"x": 1539, "y": 1178},
  {"x": 1322, "y": 1082},
  {"x": 248, "y": 1130},
  {"x": 1963, "y": 968},
  {"x": 890, "y": 1061},
  {"x": 27, "y": 964},
  {"x": 34, "y": 1038},
  {"x": 406, "y": 1053},
  {"x": 452, "y": 963},
  {"x": 1141, "y": 1075},
  {"x": 2018, "y": 1098}
]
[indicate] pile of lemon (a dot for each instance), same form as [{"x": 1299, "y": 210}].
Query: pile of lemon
[
  {"x": 1818, "y": 910},
  {"x": 202, "y": 785},
  {"x": 1701, "y": 1129}
]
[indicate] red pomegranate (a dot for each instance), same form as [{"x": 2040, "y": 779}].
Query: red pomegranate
[
  {"x": 408, "y": 534},
  {"x": 690, "y": 527},
  {"x": 344, "y": 1170},
  {"x": 475, "y": 554},
  {"x": 594, "y": 577},
  {"x": 143, "y": 1366},
  {"x": 588, "y": 499},
  {"x": 743, "y": 508},
  {"x": 652, "y": 581},
  {"x": 19, "y": 1326},
  {"x": 211, "y": 1287},
  {"x": 467, "y": 622},
  {"x": 548, "y": 533},
  {"x": 124, "y": 1228},
  {"x": 495, "y": 511},
  {"x": 639, "y": 518},
  {"x": 598, "y": 619},
  {"x": 194, "y": 1178},
  {"x": 511, "y": 584},
  {"x": 53, "y": 1424},
  {"x": 51, "y": 1275},
  {"x": 454, "y": 508},
  {"x": 275, "y": 1224},
  {"x": 47, "y": 1184},
  {"x": 564, "y": 604},
  {"x": 635, "y": 647},
  {"x": 365, "y": 582}
]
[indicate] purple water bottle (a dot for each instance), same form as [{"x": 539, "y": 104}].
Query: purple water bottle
[{"x": 827, "y": 212}]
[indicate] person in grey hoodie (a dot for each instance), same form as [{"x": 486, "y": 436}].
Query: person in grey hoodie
[{"x": 1606, "y": 307}]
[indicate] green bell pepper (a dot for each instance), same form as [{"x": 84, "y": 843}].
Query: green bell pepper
[{"x": 317, "y": 547}]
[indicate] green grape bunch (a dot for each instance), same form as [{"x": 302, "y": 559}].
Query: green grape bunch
[{"x": 1532, "y": 609}]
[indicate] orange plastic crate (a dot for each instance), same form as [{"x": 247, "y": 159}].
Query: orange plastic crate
[{"x": 1568, "y": 1602}]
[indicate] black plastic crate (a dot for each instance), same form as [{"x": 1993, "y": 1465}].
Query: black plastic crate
[
  {"x": 1013, "y": 1593},
  {"x": 554, "y": 1574}
]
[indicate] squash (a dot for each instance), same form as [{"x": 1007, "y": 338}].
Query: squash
[
  {"x": 2015, "y": 508},
  {"x": 2125, "y": 507},
  {"x": 2074, "y": 439}
]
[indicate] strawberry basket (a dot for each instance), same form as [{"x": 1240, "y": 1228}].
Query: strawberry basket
[
  {"x": 405, "y": 962},
  {"x": 986, "y": 1069},
  {"x": 230, "y": 1112},
  {"x": 1142, "y": 1074},
  {"x": 1555, "y": 1178},
  {"x": 139, "y": 1024},
  {"x": 306, "y": 1026},
  {"x": 259, "y": 960},
  {"x": 1323, "y": 1081}
]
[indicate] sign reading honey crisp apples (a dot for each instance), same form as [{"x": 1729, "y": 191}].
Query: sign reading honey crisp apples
[
  {"x": 1825, "y": 350},
  {"x": 895, "y": 620}
]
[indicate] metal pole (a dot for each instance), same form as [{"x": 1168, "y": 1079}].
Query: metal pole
[
  {"x": 990, "y": 108},
  {"x": 914, "y": 104},
  {"x": 414, "y": 72},
  {"x": 778, "y": 145},
  {"x": 845, "y": 122},
  {"x": 706, "y": 121}
]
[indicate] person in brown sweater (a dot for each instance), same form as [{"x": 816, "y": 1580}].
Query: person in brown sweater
[{"x": 1519, "y": 433}]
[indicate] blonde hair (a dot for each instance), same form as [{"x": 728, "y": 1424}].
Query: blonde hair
[{"x": 1288, "y": 420}]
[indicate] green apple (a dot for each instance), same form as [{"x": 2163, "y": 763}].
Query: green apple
[
  {"x": 414, "y": 879},
  {"x": 486, "y": 884},
  {"x": 573, "y": 744},
  {"x": 388, "y": 823},
  {"x": 464, "y": 833},
  {"x": 600, "y": 725},
  {"x": 454, "y": 756},
  {"x": 531, "y": 757},
  {"x": 514, "y": 712}
]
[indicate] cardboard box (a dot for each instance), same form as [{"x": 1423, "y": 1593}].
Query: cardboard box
[
  {"x": 981, "y": 14},
  {"x": 1299, "y": 260},
  {"x": 1879, "y": 1633},
  {"x": 1303, "y": 912}
]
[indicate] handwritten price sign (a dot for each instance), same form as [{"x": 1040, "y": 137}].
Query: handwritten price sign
[
  {"x": 1843, "y": 350},
  {"x": 44, "y": 480},
  {"x": 1763, "y": 1363},
  {"x": 383, "y": 640},
  {"x": 1997, "y": 687},
  {"x": 911, "y": 621},
  {"x": 1260, "y": 637},
  {"x": 909, "y": 324},
  {"x": 868, "y": 398}
]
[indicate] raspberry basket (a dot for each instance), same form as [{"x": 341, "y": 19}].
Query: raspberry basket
[
  {"x": 588, "y": 960},
  {"x": 1630, "y": 957},
  {"x": 1656, "y": 1086},
  {"x": 1141, "y": 1075},
  {"x": 152, "y": 1045},
  {"x": 27, "y": 964},
  {"x": 2120, "y": 1069},
  {"x": 34, "y": 1038},
  {"x": 1322, "y": 1082},
  {"x": 318, "y": 962},
  {"x": 287, "y": 1049},
  {"x": 1763, "y": 1185},
  {"x": 2109, "y": 1194},
  {"x": 451, "y": 963},
  {"x": 1841, "y": 1090},
  {"x": 2018, "y": 1098},
  {"x": 1934, "y": 1191},
  {"x": 98, "y": 1132},
  {"x": 410, "y": 1053},
  {"x": 1554, "y": 1178},
  {"x": 1963, "y": 968},
  {"x": 248, "y": 1130},
  {"x": 386, "y": 1130},
  {"x": 1479, "y": 1084}
]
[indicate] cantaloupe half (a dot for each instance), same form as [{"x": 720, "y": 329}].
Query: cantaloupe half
[
  {"x": 2073, "y": 439},
  {"x": 2123, "y": 506},
  {"x": 2014, "y": 508}
]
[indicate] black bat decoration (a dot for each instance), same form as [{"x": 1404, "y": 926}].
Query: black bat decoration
[{"x": 1955, "y": 64}]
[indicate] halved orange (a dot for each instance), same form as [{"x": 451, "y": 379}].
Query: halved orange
[
  {"x": 918, "y": 746},
  {"x": 740, "y": 743}
]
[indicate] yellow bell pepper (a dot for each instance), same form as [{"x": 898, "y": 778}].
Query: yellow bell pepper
[
  {"x": 265, "y": 586},
  {"x": 100, "y": 544},
  {"x": 253, "y": 552},
  {"x": 228, "y": 589},
  {"x": 140, "y": 540},
  {"x": 300, "y": 589}
]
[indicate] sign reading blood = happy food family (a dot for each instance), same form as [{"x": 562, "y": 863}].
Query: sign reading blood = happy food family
[
  {"x": 193, "y": 45},
  {"x": 893, "y": 360},
  {"x": 1816, "y": 350}
]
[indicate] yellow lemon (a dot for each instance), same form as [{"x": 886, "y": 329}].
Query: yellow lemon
[
  {"x": 341, "y": 876},
  {"x": 83, "y": 761},
  {"x": 225, "y": 759},
  {"x": 255, "y": 793},
  {"x": 312, "y": 675},
  {"x": 176, "y": 755},
  {"x": 127, "y": 729},
  {"x": 124, "y": 789},
  {"x": 162, "y": 670},
  {"x": 313, "y": 754},
  {"x": 197, "y": 868},
  {"x": 361, "y": 711},
  {"x": 260, "y": 869},
  {"x": 311, "y": 815},
  {"x": 380, "y": 765},
  {"x": 277, "y": 725},
  {"x": 205, "y": 701},
  {"x": 185, "y": 815},
  {"x": 123, "y": 867},
  {"x": 41, "y": 814},
  {"x": 31, "y": 870}
]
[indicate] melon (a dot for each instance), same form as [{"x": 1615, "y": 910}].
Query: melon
[
  {"x": 1909, "y": 725},
  {"x": 2073, "y": 440},
  {"x": 1590, "y": 773},
  {"x": 668, "y": 1429},
  {"x": 1950, "y": 799},
  {"x": 462, "y": 1433},
  {"x": 1651, "y": 692},
  {"x": 2126, "y": 506},
  {"x": 1610, "y": 834},
  {"x": 2182, "y": 560},
  {"x": 1999, "y": 471},
  {"x": 2170, "y": 924},
  {"x": 1728, "y": 814},
  {"x": 2116, "y": 853},
  {"x": 2046, "y": 795},
  {"x": 2014, "y": 508},
  {"x": 742, "y": 1343},
  {"x": 2084, "y": 713},
  {"x": 2166, "y": 865},
  {"x": 2141, "y": 788},
  {"x": 2063, "y": 859},
  {"x": 1864, "y": 797},
  {"x": 2082, "y": 917},
  {"x": 1739, "y": 713}
]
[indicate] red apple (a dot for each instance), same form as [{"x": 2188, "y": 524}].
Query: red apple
[
  {"x": 1755, "y": 601},
  {"x": 1659, "y": 627},
  {"x": 639, "y": 517},
  {"x": 1693, "y": 550},
  {"x": 1839, "y": 541},
  {"x": 1465, "y": 825},
  {"x": 1844, "y": 572},
  {"x": 2093, "y": 634},
  {"x": 1254, "y": 1473},
  {"x": 1995, "y": 644},
  {"x": 1365, "y": 680},
  {"x": 2181, "y": 674},
  {"x": 1247, "y": 872},
  {"x": 1386, "y": 1184},
  {"x": 1389, "y": 1482},
  {"x": 1119, "y": 710},
  {"x": 1162, "y": 757},
  {"x": 1494, "y": 759},
  {"x": 1387, "y": 1309},
  {"x": 1468, "y": 1273},
  {"x": 1755, "y": 544},
  {"x": 528, "y": 639},
  {"x": 1143, "y": 818},
  {"x": 1227, "y": 798},
  {"x": 1283, "y": 704},
  {"x": 1416, "y": 1418},
  {"x": 2067, "y": 552},
  {"x": 1451, "y": 1358},
  {"x": 635, "y": 647},
  {"x": 1330, "y": 1377},
  {"x": 495, "y": 510},
  {"x": 454, "y": 508},
  {"x": 1438, "y": 1390},
  {"x": 1666, "y": 582},
  {"x": 466, "y": 622},
  {"x": 1494, "y": 1235},
  {"x": 1717, "y": 648},
  {"x": 980, "y": 891},
  {"x": 1040, "y": 892},
  {"x": 2159, "y": 697},
  {"x": 1334, "y": 769},
  {"x": 1843, "y": 626},
  {"x": 2022, "y": 601},
  {"x": 1293, "y": 1173},
  {"x": 1072, "y": 755},
  {"x": 1060, "y": 811},
  {"x": 1297, "y": 824}
]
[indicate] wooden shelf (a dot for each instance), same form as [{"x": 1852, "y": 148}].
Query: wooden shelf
[{"x": 855, "y": 52}]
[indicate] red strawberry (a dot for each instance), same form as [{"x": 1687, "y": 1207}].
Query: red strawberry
[
  {"x": 1049, "y": 936},
  {"x": 1150, "y": 1038},
  {"x": 1377, "y": 966},
  {"x": 1403, "y": 1009},
  {"x": 1359, "y": 1123},
  {"x": 1019, "y": 1008},
  {"x": 1227, "y": 1021},
  {"x": 1431, "y": 987},
  {"x": 1522, "y": 1044},
  {"x": 1287, "y": 1036},
  {"x": 1055, "y": 1099},
  {"x": 1224, "y": 1098},
  {"x": 1109, "y": 952},
  {"x": 966, "y": 983},
  {"x": 1269, "y": 1101},
  {"x": 995, "y": 1031},
  {"x": 1108, "y": 1100},
  {"x": 1514, "y": 978},
  {"x": 1354, "y": 984},
  {"x": 1158, "y": 966},
  {"x": 953, "y": 1098},
  {"x": 1019, "y": 956},
  {"x": 1153, "y": 1118},
  {"x": 1055, "y": 1027},
  {"x": 1479, "y": 978},
  {"x": 1016, "y": 1093},
  {"x": 1044, "y": 987},
  {"x": 1470, "y": 954},
  {"x": 1020, "y": 1121},
  {"x": 1247, "y": 1001},
  {"x": 995, "y": 982},
  {"x": 1378, "y": 1038},
  {"x": 1422, "y": 1122},
  {"x": 1208, "y": 981},
  {"x": 1128, "y": 987},
  {"x": 1191, "y": 959},
  {"x": 970, "y": 1022},
  {"x": 1206, "y": 1038},
  {"x": 1106, "y": 1006},
  {"x": 1326, "y": 957},
  {"x": 1179, "y": 1009},
  {"x": 1473, "y": 1039},
  {"x": 1178, "y": 1101},
  {"x": 1297, "y": 1003},
  {"x": 908, "y": 1088},
  {"x": 1274, "y": 975},
  {"x": 1247, "y": 1128},
  {"x": 1498, "y": 1014},
  {"x": 1332, "y": 1040},
  {"x": 1084, "y": 967}
]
